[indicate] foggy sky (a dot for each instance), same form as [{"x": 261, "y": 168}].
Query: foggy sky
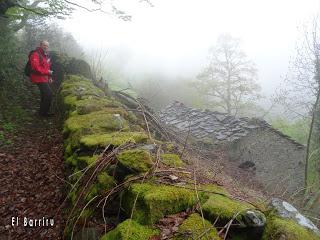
[{"x": 174, "y": 36}]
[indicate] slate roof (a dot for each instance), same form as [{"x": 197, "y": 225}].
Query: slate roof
[{"x": 220, "y": 127}]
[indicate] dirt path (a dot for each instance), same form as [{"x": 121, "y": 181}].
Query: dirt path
[{"x": 31, "y": 183}]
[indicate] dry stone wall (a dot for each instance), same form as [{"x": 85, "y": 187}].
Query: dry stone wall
[{"x": 112, "y": 160}]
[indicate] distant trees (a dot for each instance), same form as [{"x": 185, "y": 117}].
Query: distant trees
[
  {"x": 301, "y": 98},
  {"x": 60, "y": 41},
  {"x": 306, "y": 91},
  {"x": 229, "y": 80}
]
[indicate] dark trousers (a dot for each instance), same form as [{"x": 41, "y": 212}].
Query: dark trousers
[{"x": 46, "y": 97}]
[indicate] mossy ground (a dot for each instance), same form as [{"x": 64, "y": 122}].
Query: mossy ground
[
  {"x": 154, "y": 201},
  {"x": 278, "y": 228},
  {"x": 195, "y": 227},
  {"x": 130, "y": 230}
]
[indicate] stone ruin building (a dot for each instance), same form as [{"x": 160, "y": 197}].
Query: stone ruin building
[{"x": 276, "y": 160}]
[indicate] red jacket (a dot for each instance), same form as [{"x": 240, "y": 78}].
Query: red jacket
[{"x": 40, "y": 69}]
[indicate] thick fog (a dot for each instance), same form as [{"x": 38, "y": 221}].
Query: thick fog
[{"x": 171, "y": 38}]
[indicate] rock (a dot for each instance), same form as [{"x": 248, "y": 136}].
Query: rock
[
  {"x": 148, "y": 147},
  {"x": 115, "y": 139},
  {"x": 172, "y": 160},
  {"x": 195, "y": 227},
  {"x": 278, "y": 228},
  {"x": 253, "y": 218},
  {"x": 286, "y": 210},
  {"x": 78, "y": 66},
  {"x": 136, "y": 160},
  {"x": 226, "y": 209},
  {"x": 130, "y": 230},
  {"x": 154, "y": 201}
]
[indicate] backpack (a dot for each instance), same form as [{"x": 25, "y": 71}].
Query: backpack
[{"x": 28, "y": 69}]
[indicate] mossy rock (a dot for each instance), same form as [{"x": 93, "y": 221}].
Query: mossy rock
[
  {"x": 130, "y": 230},
  {"x": 80, "y": 88},
  {"x": 72, "y": 160},
  {"x": 78, "y": 66},
  {"x": 88, "y": 105},
  {"x": 286, "y": 229},
  {"x": 195, "y": 227},
  {"x": 225, "y": 208},
  {"x": 136, "y": 160},
  {"x": 95, "y": 121},
  {"x": 172, "y": 160},
  {"x": 114, "y": 139},
  {"x": 105, "y": 180},
  {"x": 84, "y": 161},
  {"x": 154, "y": 201},
  {"x": 80, "y": 162},
  {"x": 103, "y": 184}
]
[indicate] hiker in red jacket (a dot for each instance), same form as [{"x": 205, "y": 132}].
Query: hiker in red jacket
[{"x": 42, "y": 76}]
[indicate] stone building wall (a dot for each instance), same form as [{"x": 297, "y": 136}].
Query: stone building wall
[{"x": 277, "y": 161}]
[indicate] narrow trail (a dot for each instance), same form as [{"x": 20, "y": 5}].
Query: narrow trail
[{"x": 31, "y": 182}]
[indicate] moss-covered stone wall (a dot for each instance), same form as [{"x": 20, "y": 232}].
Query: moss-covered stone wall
[{"x": 118, "y": 179}]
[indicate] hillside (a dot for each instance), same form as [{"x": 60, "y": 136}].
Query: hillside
[{"x": 105, "y": 168}]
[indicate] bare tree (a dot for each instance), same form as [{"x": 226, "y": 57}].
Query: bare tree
[{"x": 229, "y": 80}]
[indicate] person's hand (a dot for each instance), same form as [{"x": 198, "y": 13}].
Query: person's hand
[
  {"x": 50, "y": 80},
  {"x": 50, "y": 72}
]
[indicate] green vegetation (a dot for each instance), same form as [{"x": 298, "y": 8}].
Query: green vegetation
[
  {"x": 95, "y": 122},
  {"x": 297, "y": 130},
  {"x": 172, "y": 160},
  {"x": 115, "y": 139},
  {"x": 195, "y": 227},
  {"x": 136, "y": 160},
  {"x": 279, "y": 228},
  {"x": 154, "y": 201},
  {"x": 224, "y": 207},
  {"x": 130, "y": 230}
]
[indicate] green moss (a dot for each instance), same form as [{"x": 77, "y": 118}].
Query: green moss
[
  {"x": 86, "y": 213},
  {"x": 172, "y": 160},
  {"x": 169, "y": 146},
  {"x": 137, "y": 160},
  {"x": 130, "y": 230},
  {"x": 195, "y": 227},
  {"x": 156, "y": 200},
  {"x": 224, "y": 207},
  {"x": 95, "y": 121},
  {"x": 70, "y": 101},
  {"x": 105, "y": 181},
  {"x": 72, "y": 161},
  {"x": 114, "y": 139},
  {"x": 84, "y": 161},
  {"x": 92, "y": 192},
  {"x": 132, "y": 118},
  {"x": 86, "y": 106},
  {"x": 79, "y": 86},
  {"x": 278, "y": 228},
  {"x": 72, "y": 196}
]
